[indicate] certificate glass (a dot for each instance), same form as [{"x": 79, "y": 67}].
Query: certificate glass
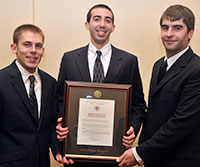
[
  {"x": 95, "y": 122},
  {"x": 97, "y": 117}
]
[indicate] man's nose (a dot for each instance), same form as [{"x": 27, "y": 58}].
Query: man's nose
[
  {"x": 33, "y": 48},
  {"x": 170, "y": 32},
  {"x": 102, "y": 23}
]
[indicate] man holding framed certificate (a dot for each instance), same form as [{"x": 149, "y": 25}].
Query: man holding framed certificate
[{"x": 102, "y": 62}]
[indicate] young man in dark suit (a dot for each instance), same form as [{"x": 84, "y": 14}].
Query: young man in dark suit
[
  {"x": 28, "y": 107},
  {"x": 119, "y": 66},
  {"x": 171, "y": 132}
]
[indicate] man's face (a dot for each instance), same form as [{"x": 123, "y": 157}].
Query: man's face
[
  {"x": 29, "y": 50},
  {"x": 100, "y": 26},
  {"x": 175, "y": 36}
]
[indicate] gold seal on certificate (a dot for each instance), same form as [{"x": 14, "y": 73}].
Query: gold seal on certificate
[{"x": 97, "y": 94}]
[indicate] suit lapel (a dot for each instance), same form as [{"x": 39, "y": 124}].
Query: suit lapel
[
  {"x": 19, "y": 86},
  {"x": 114, "y": 67},
  {"x": 175, "y": 69},
  {"x": 154, "y": 78},
  {"x": 82, "y": 64},
  {"x": 44, "y": 89}
]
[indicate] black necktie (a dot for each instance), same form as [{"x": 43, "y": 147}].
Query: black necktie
[
  {"x": 98, "y": 73},
  {"x": 162, "y": 71},
  {"x": 32, "y": 96}
]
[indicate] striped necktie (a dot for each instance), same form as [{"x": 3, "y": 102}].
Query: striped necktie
[
  {"x": 32, "y": 96},
  {"x": 98, "y": 73}
]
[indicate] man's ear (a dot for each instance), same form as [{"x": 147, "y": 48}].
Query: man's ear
[
  {"x": 13, "y": 48},
  {"x": 190, "y": 34},
  {"x": 87, "y": 25},
  {"x": 113, "y": 28}
]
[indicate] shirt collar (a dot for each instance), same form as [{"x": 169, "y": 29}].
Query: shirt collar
[
  {"x": 105, "y": 50},
  {"x": 25, "y": 74},
  {"x": 172, "y": 60}
]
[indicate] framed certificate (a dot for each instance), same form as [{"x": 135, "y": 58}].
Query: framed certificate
[{"x": 97, "y": 117}]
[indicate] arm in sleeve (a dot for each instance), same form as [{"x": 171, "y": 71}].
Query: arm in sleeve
[
  {"x": 183, "y": 122},
  {"x": 138, "y": 103}
]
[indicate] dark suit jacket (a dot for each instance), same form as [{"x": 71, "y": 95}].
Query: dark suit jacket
[
  {"x": 123, "y": 69},
  {"x": 171, "y": 132},
  {"x": 23, "y": 141}
]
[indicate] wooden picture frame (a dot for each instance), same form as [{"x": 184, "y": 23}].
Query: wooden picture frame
[{"x": 120, "y": 93}]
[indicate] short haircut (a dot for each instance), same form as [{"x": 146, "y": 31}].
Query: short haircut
[
  {"x": 26, "y": 27},
  {"x": 177, "y": 12},
  {"x": 99, "y": 6}
]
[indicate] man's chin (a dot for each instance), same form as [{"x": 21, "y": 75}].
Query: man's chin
[{"x": 100, "y": 41}]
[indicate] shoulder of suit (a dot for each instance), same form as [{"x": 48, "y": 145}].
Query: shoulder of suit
[
  {"x": 194, "y": 62},
  {"x": 123, "y": 52},
  {"x": 78, "y": 50},
  {"x": 160, "y": 59},
  {"x": 12, "y": 68},
  {"x": 4, "y": 71},
  {"x": 46, "y": 75}
]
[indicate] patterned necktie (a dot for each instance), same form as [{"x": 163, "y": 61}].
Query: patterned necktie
[
  {"x": 32, "y": 96},
  {"x": 163, "y": 70},
  {"x": 98, "y": 73}
]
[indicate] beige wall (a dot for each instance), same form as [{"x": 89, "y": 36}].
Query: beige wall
[{"x": 137, "y": 28}]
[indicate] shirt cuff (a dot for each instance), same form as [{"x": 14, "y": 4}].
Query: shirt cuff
[{"x": 137, "y": 157}]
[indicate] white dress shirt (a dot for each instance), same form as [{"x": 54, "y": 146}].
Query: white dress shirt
[
  {"x": 105, "y": 58},
  {"x": 172, "y": 60},
  {"x": 38, "y": 85}
]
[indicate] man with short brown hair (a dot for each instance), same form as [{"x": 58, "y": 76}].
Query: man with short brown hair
[
  {"x": 171, "y": 131},
  {"x": 28, "y": 104}
]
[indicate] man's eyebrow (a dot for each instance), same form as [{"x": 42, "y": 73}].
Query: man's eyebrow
[
  {"x": 27, "y": 42},
  {"x": 97, "y": 16},
  {"x": 177, "y": 25},
  {"x": 32, "y": 42},
  {"x": 107, "y": 17}
]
